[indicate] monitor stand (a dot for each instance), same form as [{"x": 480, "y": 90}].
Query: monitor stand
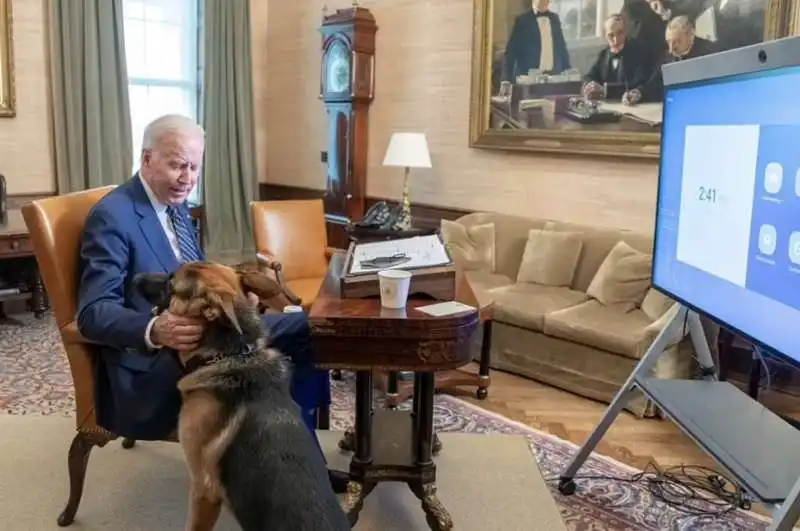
[{"x": 753, "y": 445}]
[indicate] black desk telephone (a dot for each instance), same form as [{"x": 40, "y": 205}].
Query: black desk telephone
[{"x": 588, "y": 112}]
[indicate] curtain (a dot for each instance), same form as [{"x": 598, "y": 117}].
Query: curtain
[
  {"x": 230, "y": 173},
  {"x": 89, "y": 93}
]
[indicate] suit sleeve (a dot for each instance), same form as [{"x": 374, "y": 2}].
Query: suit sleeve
[
  {"x": 594, "y": 73},
  {"x": 560, "y": 45},
  {"x": 510, "y": 63},
  {"x": 103, "y": 316}
]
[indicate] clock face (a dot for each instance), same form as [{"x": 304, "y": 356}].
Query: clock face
[{"x": 338, "y": 68}]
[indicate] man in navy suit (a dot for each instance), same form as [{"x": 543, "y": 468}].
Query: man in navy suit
[
  {"x": 536, "y": 42},
  {"x": 143, "y": 226}
]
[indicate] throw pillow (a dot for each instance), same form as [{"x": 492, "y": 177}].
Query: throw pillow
[
  {"x": 550, "y": 257},
  {"x": 471, "y": 248},
  {"x": 656, "y": 304},
  {"x": 623, "y": 277}
]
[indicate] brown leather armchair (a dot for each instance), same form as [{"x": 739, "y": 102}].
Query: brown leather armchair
[
  {"x": 55, "y": 225},
  {"x": 291, "y": 240}
]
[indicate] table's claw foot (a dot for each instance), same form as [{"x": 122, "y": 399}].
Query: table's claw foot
[
  {"x": 435, "y": 514},
  {"x": 436, "y": 447},
  {"x": 353, "y": 501},
  {"x": 348, "y": 440}
]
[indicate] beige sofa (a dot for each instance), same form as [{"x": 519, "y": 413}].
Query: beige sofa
[{"x": 573, "y": 305}]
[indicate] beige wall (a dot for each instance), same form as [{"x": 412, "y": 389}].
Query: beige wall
[
  {"x": 25, "y": 147},
  {"x": 423, "y": 73}
]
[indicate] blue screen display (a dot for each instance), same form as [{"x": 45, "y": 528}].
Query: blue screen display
[{"x": 728, "y": 215}]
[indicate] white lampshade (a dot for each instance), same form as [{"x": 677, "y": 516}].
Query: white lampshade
[{"x": 408, "y": 150}]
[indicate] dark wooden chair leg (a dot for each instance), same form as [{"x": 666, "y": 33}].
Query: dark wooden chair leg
[
  {"x": 128, "y": 443},
  {"x": 77, "y": 461}
]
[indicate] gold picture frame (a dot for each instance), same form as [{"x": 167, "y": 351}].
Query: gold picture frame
[
  {"x": 8, "y": 100},
  {"x": 498, "y": 121}
]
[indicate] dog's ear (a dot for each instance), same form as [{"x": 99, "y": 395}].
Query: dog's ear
[
  {"x": 222, "y": 305},
  {"x": 152, "y": 286},
  {"x": 256, "y": 282}
]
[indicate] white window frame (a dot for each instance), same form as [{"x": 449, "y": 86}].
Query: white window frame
[{"x": 194, "y": 88}]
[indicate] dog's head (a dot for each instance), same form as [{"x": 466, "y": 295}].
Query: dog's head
[{"x": 214, "y": 292}]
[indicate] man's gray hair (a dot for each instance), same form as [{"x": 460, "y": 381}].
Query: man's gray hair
[
  {"x": 617, "y": 17},
  {"x": 170, "y": 123},
  {"x": 681, "y": 24}
]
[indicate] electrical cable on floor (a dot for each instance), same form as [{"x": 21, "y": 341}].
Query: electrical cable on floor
[{"x": 693, "y": 490}]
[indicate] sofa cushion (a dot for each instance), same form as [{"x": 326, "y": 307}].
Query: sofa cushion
[
  {"x": 482, "y": 284},
  {"x": 613, "y": 328},
  {"x": 550, "y": 257},
  {"x": 472, "y": 248},
  {"x": 656, "y": 304},
  {"x": 623, "y": 277},
  {"x": 525, "y": 305}
]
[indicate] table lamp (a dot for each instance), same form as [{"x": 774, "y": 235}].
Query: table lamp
[{"x": 407, "y": 150}]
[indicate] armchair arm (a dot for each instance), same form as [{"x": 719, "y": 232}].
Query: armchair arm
[
  {"x": 268, "y": 263},
  {"x": 329, "y": 252},
  {"x": 70, "y": 335}
]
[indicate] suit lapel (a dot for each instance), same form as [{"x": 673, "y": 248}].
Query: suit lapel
[{"x": 151, "y": 228}]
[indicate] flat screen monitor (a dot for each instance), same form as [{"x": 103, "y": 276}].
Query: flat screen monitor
[{"x": 727, "y": 230}]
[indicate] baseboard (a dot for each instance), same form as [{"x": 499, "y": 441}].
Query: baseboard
[{"x": 272, "y": 192}]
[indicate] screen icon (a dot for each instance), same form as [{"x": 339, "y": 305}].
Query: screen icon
[
  {"x": 773, "y": 178},
  {"x": 797, "y": 183},
  {"x": 767, "y": 239},
  {"x": 794, "y": 247}
]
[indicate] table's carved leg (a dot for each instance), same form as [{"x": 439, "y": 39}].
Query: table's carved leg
[
  {"x": 435, "y": 514},
  {"x": 38, "y": 296},
  {"x": 391, "y": 391},
  {"x": 353, "y": 500},
  {"x": 486, "y": 357}
]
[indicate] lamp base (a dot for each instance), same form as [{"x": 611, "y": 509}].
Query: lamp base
[{"x": 404, "y": 220}]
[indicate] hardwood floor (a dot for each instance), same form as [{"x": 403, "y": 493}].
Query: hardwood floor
[{"x": 635, "y": 442}]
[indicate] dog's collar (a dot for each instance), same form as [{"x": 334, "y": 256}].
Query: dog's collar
[{"x": 245, "y": 352}]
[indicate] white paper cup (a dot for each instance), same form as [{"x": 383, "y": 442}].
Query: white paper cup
[
  {"x": 394, "y": 284},
  {"x": 292, "y": 309}
]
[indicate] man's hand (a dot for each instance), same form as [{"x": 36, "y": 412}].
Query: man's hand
[
  {"x": 632, "y": 97},
  {"x": 593, "y": 90},
  {"x": 177, "y": 332}
]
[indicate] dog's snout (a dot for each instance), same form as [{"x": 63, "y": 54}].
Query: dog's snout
[{"x": 152, "y": 286}]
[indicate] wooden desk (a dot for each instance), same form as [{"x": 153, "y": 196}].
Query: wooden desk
[
  {"x": 18, "y": 268},
  {"x": 360, "y": 335}
]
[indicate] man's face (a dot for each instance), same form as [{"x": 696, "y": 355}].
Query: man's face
[
  {"x": 679, "y": 42},
  {"x": 541, "y": 5},
  {"x": 615, "y": 35},
  {"x": 171, "y": 167}
]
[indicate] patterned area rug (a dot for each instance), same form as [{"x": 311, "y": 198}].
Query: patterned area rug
[{"x": 35, "y": 379}]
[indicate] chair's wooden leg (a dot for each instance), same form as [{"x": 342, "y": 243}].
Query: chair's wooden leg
[
  {"x": 128, "y": 443},
  {"x": 77, "y": 460}
]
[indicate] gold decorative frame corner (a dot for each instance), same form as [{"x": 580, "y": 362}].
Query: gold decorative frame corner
[
  {"x": 782, "y": 19},
  {"x": 8, "y": 100}
]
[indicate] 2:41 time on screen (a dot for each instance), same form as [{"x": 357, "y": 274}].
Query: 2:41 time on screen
[{"x": 707, "y": 195}]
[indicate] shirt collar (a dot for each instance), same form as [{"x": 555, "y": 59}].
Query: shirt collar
[{"x": 158, "y": 206}]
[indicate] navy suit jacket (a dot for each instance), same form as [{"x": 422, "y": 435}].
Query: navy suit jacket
[
  {"x": 524, "y": 46},
  {"x": 135, "y": 394}
]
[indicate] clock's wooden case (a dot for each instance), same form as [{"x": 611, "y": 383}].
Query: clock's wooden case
[{"x": 347, "y": 135}]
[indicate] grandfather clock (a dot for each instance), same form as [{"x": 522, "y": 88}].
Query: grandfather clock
[{"x": 347, "y": 82}]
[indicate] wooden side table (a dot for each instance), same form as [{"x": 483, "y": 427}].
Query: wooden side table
[
  {"x": 18, "y": 261},
  {"x": 360, "y": 335}
]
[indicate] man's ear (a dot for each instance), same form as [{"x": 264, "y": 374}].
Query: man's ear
[{"x": 152, "y": 286}]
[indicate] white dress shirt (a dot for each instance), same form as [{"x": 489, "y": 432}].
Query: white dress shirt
[
  {"x": 546, "y": 54},
  {"x": 169, "y": 231}
]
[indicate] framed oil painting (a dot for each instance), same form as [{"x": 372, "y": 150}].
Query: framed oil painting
[
  {"x": 583, "y": 76},
  {"x": 8, "y": 104}
]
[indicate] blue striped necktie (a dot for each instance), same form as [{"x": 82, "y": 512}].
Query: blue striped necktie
[{"x": 187, "y": 245}]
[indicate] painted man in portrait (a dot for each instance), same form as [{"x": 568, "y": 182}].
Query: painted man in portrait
[
  {"x": 682, "y": 44},
  {"x": 536, "y": 42},
  {"x": 622, "y": 67}
]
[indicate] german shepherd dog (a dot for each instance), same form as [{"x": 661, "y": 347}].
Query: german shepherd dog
[{"x": 242, "y": 434}]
